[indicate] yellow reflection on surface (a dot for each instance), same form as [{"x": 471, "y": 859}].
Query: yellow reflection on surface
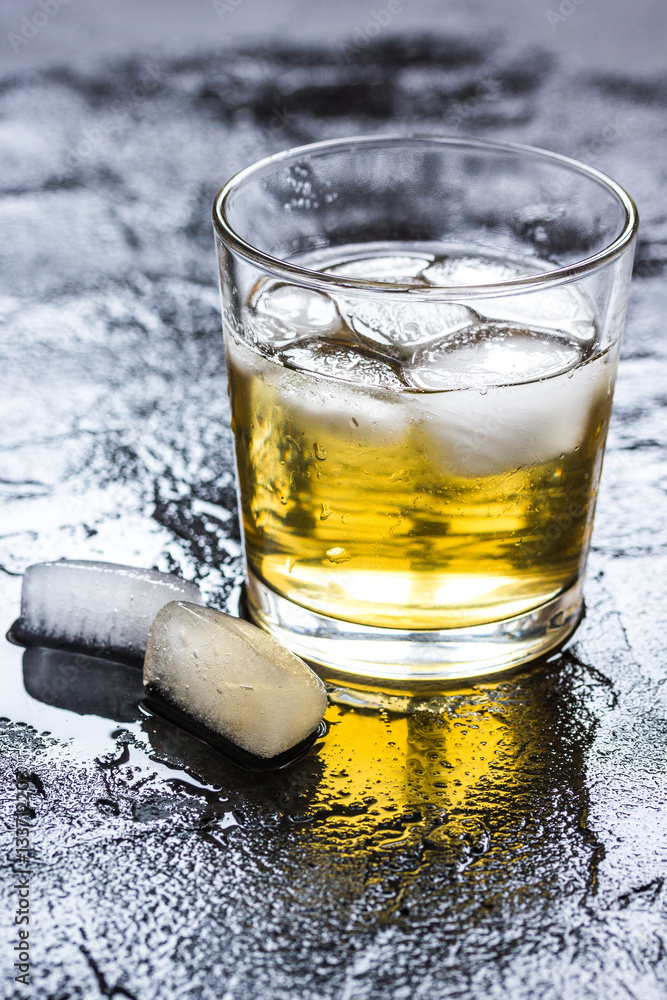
[{"x": 394, "y": 780}]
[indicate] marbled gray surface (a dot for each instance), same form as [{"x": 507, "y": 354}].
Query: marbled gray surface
[{"x": 512, "y": 845}]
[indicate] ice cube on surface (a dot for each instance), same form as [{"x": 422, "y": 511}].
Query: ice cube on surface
[
  {"x": 282, "y": 313},
  {"x": 343, "y": 361},
  {"x": 232, "y": 678},
  {"x": 101, "y": 608},
  {"x": 488, "y": 355}
]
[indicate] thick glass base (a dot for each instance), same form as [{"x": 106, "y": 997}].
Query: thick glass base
[{"x": 345, "y": 653}]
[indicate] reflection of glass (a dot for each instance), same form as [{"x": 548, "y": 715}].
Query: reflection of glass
[
  {"x": 83, "y": 684},
  {"x": 410, "y": 780},
  {"x": 422, "y": 337},
  {"x": 455, "y": 809},
  {"x": 478, "y": 772}
]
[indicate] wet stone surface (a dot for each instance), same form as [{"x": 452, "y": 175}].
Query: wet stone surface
[{"x": 510, "y": 842}]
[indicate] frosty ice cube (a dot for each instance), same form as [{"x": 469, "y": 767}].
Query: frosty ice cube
[
  {"x": 495, "y": 430},
  {"x": 344, "y": 405},
  {"x": 563, "y": 307},
  {"x": 524, "y": 397},
  {"x": 395, "y": 268},
  {"x": 489, "y": 355},
  {"x": 96, "y": 607},
  {"x": 281, "y": 313},
  {"x": 463, "y": 270},
  {"x": 230, "y": 682},
  {"x": 349, "y": 407},
  {"x": 397, "y": 328},
  {"x": 345, "y": 362}
]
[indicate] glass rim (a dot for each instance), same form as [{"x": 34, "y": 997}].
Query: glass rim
[{"x": 325, "y": 281}]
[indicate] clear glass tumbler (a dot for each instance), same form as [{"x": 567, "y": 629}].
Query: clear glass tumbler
[{"x": 422, "y": 336}]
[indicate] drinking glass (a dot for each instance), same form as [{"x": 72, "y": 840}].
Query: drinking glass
[{"x": 422, "y": 336}]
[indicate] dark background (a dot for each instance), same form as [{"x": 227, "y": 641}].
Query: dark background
[{"x": 512, "y": 842}]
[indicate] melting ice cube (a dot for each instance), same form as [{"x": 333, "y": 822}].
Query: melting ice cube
[
  {"x": 397, "y": 327},
  {"x": 463, "y": 270},
  {"x": 282, "y": 313},
  {"x": 488, "y": 355},
  {"x": 563, "y": 307},
  {"x": 354, "y": 403},
  {"x": 95, "y": 607},
  {"x": 471, "y": 433},
  {"x": 401, "y": 268},
  {"x": 343, "y": 362},
  {"x": 232, "y": 679},
  {"x": 396, "y": 324}
]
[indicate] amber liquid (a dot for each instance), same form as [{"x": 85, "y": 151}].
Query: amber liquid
[{"x": 416, "y": 510}]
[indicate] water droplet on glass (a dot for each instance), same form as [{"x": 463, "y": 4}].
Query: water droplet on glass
[{"x": 337, "y": 554}]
